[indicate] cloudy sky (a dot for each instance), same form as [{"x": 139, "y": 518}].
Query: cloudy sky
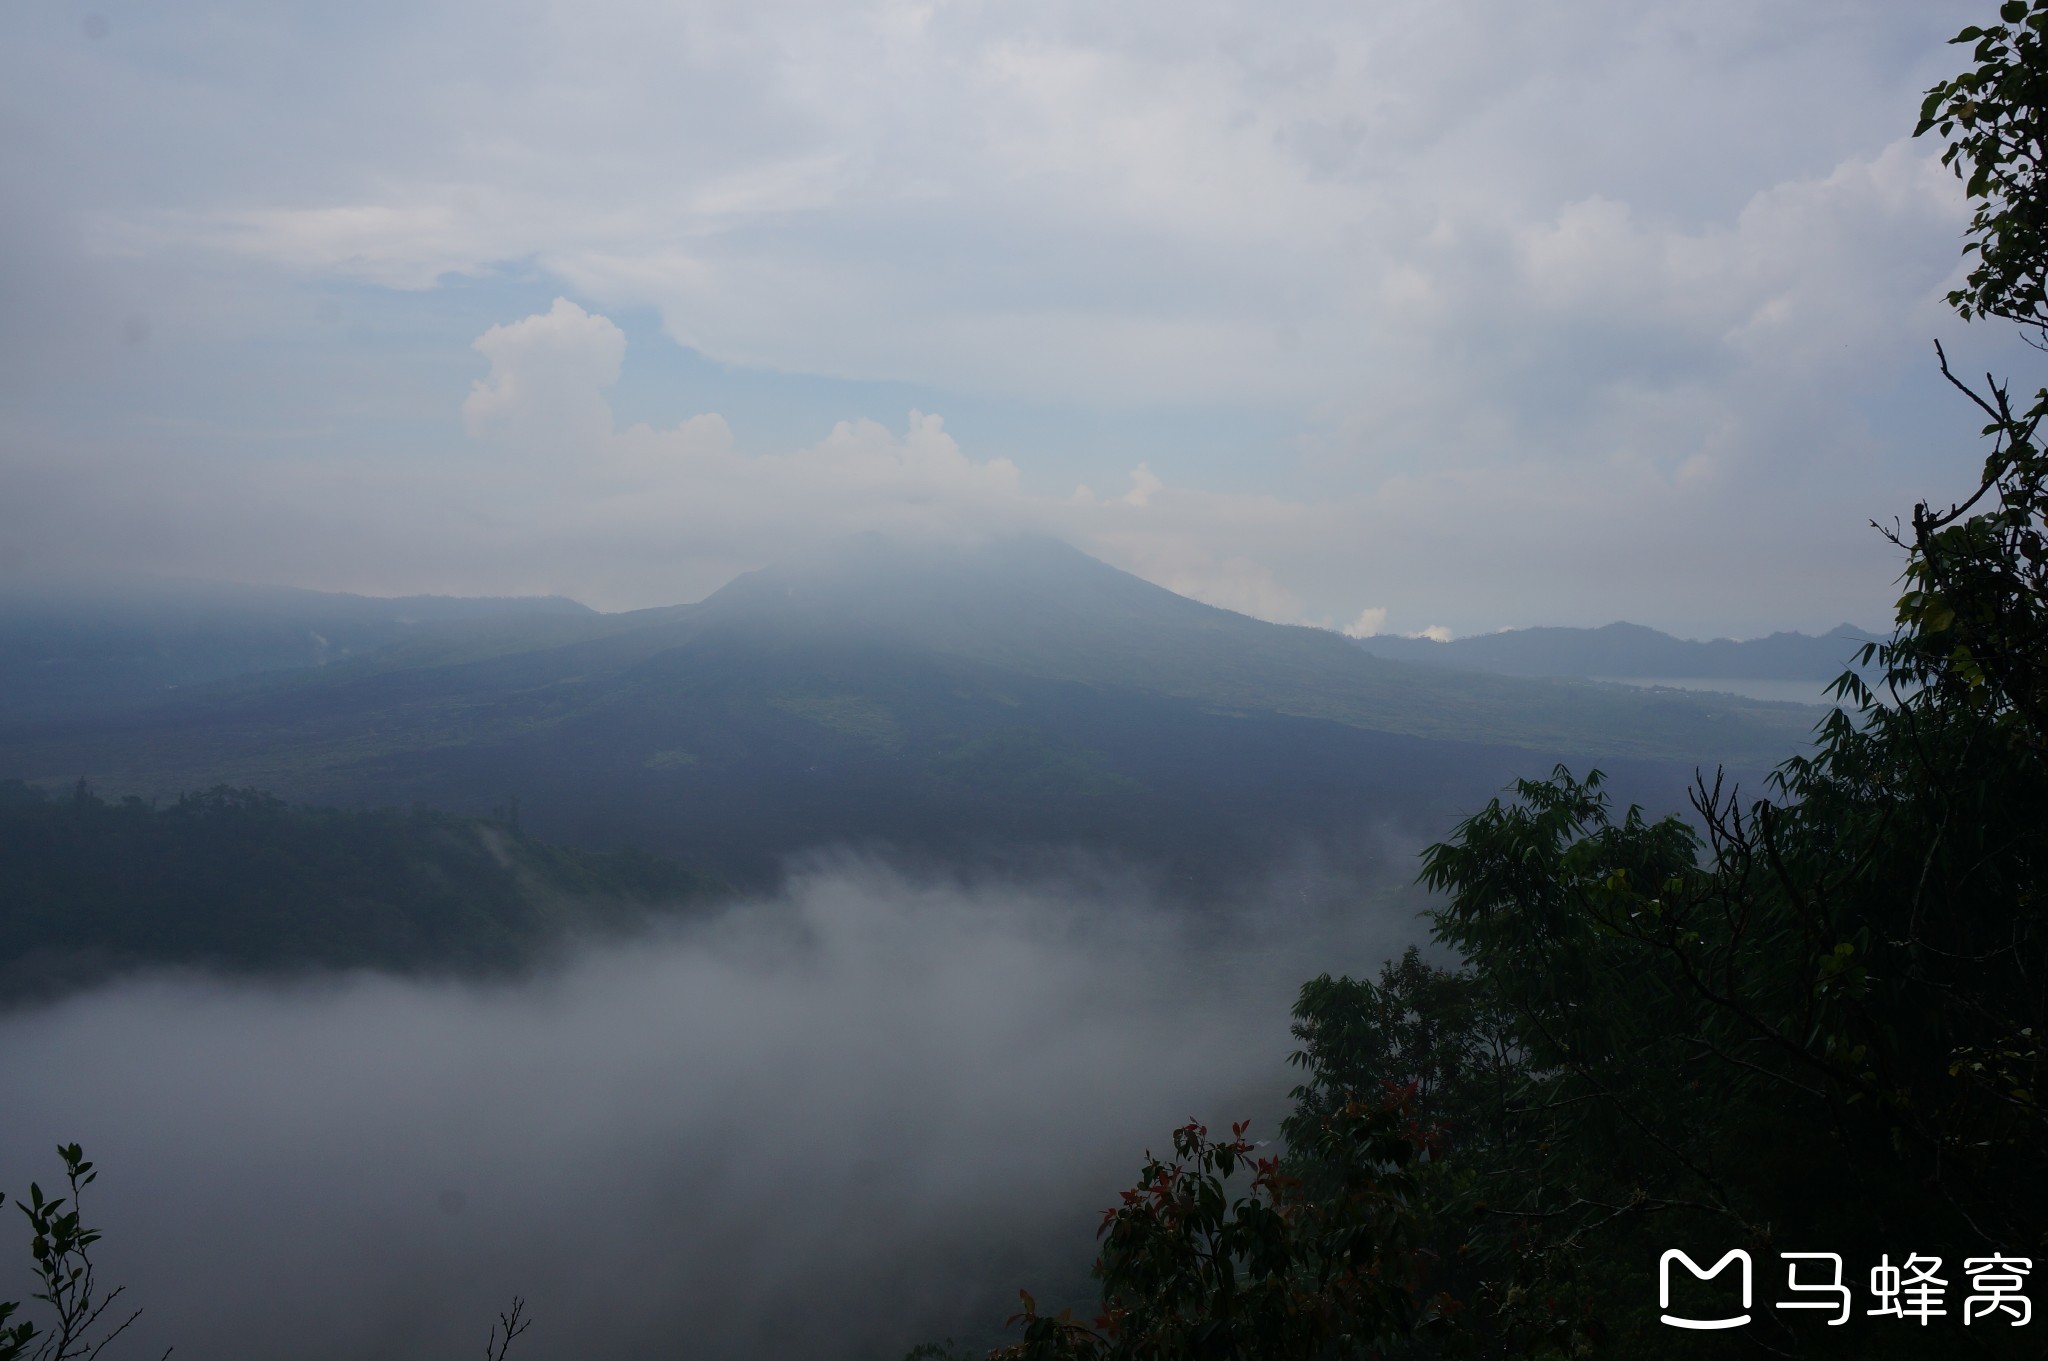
[{"x": 1395, "y": 315}]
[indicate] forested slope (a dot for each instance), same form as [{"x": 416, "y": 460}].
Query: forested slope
[{"x": 236, "y": 879}]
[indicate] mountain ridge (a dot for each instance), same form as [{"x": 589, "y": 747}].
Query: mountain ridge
[
  {"x": 1636, "y": 651},
  {"x": 943, "y": 700}
]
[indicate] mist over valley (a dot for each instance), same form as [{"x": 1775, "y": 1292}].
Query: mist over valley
[{"x": 836, "y": 1121}]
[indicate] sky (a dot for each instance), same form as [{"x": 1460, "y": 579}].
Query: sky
[{"x": 1454, "y": 316}]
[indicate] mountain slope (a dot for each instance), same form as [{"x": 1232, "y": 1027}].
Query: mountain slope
[
  {"x": 73, "y": 650},
  {"x": 1042, "y": 608},
  {"x": 235, "y": 879},
  {"x": 946, "y": 702},
  {"x": 1634, "y": 651}
]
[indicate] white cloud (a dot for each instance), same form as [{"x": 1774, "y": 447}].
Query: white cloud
[
  {"x": 925, "y": 462},
  {"x": 547, "y": 379},
  {"x": 1144, "y": 484},
  {"x": 1371, "y": 622}
]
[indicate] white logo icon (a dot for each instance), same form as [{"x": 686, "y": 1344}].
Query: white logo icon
[{"x": 1664, "y": 1287}]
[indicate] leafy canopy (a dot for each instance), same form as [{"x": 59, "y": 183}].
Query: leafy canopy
[{"x": 1991, "y": 116}]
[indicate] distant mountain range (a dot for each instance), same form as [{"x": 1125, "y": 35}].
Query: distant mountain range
[
  {"x": 957, "y": 702},
  {"x": 1635, "y": 652}
]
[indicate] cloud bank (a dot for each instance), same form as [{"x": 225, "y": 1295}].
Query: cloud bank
[{"x": 830, "y": 1125}]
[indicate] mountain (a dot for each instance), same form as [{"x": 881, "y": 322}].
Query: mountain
[
  {"x": 75, "y": 649},
  {"x": 952, "y": 701},
  {"x": 1633, "y": 651},
  {"x": 1039, "y": 607}
]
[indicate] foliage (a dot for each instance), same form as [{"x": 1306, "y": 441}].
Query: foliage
[
  {"x": 1430, "y": 1030},
  {"x": 1992, "y": 116},
  {"x": 1977, "y": 608},
  {"x": 1768, "y": 1047},
  {"x": 68, "y": 1284},
  {"x": 1191, "y": 1269}
]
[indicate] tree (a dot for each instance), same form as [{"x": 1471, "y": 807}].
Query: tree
[
  {"x": 1191, "y": 1270},
  {"x": 1980, "y": 576},
  {"x": 68, "y": 1284},
  {"x": 1992, "y": 116},
  {"x": 1419, "y": 1026}
]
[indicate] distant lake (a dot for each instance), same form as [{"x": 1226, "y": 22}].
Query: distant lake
[{"x": 1784, "y": 691}]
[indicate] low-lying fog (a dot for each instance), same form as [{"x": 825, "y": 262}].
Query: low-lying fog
[{"x": 831, "y": 1125}]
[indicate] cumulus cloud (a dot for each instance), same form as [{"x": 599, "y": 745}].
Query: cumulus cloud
[
  {"x": 925, "y": 462},
  {"x": 547, "y": 379},
  {"x": 831, "y": 1124}
]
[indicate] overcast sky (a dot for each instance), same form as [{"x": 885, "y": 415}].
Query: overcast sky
[{"x": 1395, "y": 315}]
